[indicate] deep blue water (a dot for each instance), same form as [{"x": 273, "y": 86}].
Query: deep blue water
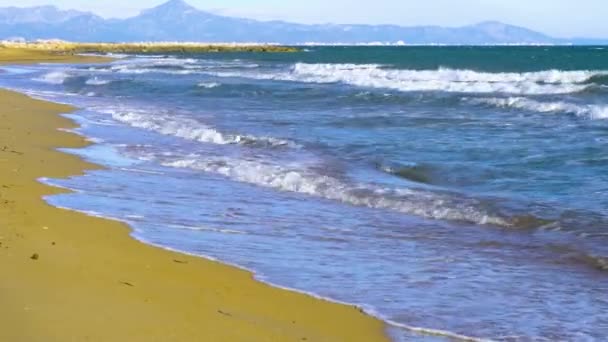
[{"x": 456, "y": 190}]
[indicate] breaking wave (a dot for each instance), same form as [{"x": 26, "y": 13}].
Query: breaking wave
[
  {"x": 96, "y": 81},
  {"x": 55, "y": 77},
  {"x": 172, "y": 66},
  {"x": 597, "y": 262},
  {"x": 208, "y": 85},
  {"x": 414, "y": 172},
  {"x": 191, "y": 129},
  {"x": 127, "y": 69},
  {"x": 408, "y": 201},
  {"x": 443, "y": 79},
  {"x": 583, "y": 110}
]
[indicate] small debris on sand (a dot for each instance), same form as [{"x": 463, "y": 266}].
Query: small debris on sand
[{"x": 224, "y": 313}]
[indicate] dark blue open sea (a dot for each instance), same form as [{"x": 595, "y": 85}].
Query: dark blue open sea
[{"x": 452, "y": 191}]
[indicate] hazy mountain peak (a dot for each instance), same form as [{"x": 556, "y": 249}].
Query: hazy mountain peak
[
  {"x": 510, "y": 33},
  {"x": 171, "y": 7}
]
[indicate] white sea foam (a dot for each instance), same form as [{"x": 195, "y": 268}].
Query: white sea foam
[
  {"x": 443, "y": 79},
  {"x": 55, "y": 77},
  {"x": 96, "y": 81},
  {"x": 209, "y": 229},
  {"x": 190, "y": 129},
  {"x": 141, "y": 171},
  {"x": 137, "y": 70},
  {"x": 109, "y": 54},
  {"x": 175, "y": 66},
  {"x": 159, "y": 61},
  {"x": 152, "y": 65},
  {"x": 117, "y": 55},
  {"x": 583, "y": 110},
  {"x": 414, "y": 202},
  {"x": 208, "y": 85}
]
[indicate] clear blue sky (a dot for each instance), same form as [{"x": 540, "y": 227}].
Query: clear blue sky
[{"x": 565, "y": 18}]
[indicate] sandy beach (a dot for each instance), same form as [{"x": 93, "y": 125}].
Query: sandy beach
[{"x": 71, "y": 277}]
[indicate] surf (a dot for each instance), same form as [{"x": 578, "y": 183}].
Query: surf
[{"x": 441, "y": 80}]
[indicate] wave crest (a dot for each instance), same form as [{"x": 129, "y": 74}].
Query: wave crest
[
  {"x": 208, "y": 85},
  {"x": 448, "y": 80},
  {"x": 191, "y": 129},
  {"x": 582, "y": 110},
  {"x": 54, "y": 77},
  {"x": 408, "y": 201},
  {"x": 443, "y": 79},
  {"x": 96, "y": 81}
]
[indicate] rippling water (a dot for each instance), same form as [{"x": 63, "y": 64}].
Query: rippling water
[{"x": 453, "y": 192}]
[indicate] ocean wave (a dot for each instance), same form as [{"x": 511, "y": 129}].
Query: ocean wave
[
  {"x": 600, "y": 263},
  {"x": 159, "y": 61},
  {"x": 408, "y": 201},
  {"x": 54, "y": 77},
  {"x": 138, "y": 70},
  {"x": 414, "y": 172},
  {"x": 570, "y": 254},
  {"x": 175, "y": 66},
  {"x": 227, "y": 64},
  {"x": 583, "y": 110},
  {"x": 191, "y": 129},
  {"x": 601, "y": 79},
  {"x": 117, "y": 55},
  {"x": 96, "y": 81},
  {"x": 443, "y": 79},
  {"x": 208, "y": 85}
]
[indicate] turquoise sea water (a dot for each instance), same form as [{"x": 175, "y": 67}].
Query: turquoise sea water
[{"x": 454, "y": 192}]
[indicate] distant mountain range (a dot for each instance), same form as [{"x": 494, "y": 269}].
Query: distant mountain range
[{"x": 178, "y": 21}]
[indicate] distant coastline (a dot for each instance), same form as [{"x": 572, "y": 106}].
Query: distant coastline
[{"x": 72, "y": 48}]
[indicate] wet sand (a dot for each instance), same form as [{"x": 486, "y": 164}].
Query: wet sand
[{"x": 71, "y": 277}]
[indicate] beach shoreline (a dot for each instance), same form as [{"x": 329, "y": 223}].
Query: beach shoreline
[{"x": 72, "y": 277}]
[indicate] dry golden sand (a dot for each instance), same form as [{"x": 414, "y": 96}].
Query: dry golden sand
[{"x": 65, "y": 276}]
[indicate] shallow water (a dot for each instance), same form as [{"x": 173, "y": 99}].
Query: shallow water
[{"x": 451, "y": 191}]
